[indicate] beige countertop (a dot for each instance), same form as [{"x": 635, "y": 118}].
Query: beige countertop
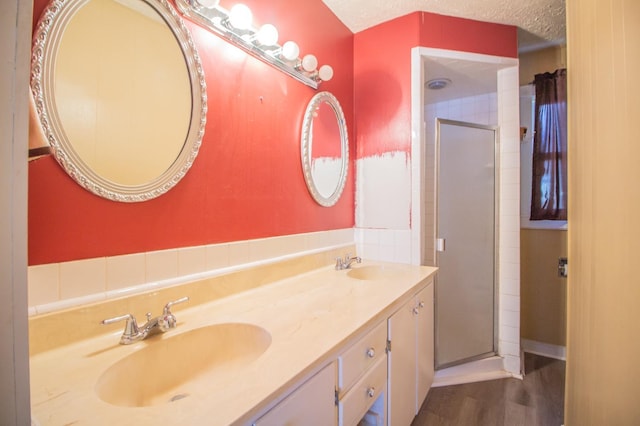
[{"x": 308, "y": 316}]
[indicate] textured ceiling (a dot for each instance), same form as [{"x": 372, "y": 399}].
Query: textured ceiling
[{"x": 540, "y": 23}]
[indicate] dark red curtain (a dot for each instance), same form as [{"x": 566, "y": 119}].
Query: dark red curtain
[{"x": 549, "y": 191}]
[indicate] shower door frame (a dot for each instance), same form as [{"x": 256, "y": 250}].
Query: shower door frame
[{"x": 496, "y": 238}]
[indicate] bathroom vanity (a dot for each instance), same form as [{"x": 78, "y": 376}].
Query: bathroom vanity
[{"x": 322, "y": 347}]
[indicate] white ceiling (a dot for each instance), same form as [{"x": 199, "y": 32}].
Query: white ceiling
[{"x": 540, "y": 23}]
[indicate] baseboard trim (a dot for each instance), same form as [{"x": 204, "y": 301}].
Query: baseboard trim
[{"x": 544, "y": 349}]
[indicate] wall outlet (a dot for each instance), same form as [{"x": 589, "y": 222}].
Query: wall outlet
[{"x": 563, "y": 268}]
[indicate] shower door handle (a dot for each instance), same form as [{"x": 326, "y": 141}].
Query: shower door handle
[{"x": 440, "y": 244}]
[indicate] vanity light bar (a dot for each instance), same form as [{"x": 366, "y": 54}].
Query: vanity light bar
[{"x": 235, "y": 26}]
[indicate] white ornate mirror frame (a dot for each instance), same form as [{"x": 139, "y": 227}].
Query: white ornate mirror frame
[
  {"x": 336, "y": 172},
  {"x": 46, "y": 43}
]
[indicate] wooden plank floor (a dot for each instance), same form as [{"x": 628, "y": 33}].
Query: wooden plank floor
[{"x": 538, "y": 400}]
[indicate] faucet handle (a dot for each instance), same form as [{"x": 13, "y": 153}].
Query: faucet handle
[
  {"x": 167, "y": 320},
  {"x": 167, "y": 307},
  {"x": 130, "y": 328}
]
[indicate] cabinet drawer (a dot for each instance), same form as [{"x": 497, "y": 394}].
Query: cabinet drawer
[
  {"x": 361, "y": 355},
  {"x": 355, "y": 403}
]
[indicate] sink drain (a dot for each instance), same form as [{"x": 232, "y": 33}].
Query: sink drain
[{"x": 178, "y": 397}]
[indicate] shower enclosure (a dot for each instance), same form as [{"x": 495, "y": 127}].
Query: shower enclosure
[{"x": 466, "y": 222}]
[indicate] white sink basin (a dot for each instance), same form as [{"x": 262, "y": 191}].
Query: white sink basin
[
  {"x": 375, "y": 272},
  {"x": 174, "y": 367}
]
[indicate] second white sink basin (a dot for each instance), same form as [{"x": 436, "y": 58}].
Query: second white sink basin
[
  {"x": 172, "y": 368},
  {"x": 375, "y": 272}
]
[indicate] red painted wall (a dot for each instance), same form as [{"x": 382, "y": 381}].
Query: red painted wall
[
  {"x": 247, "y": 181},
  {"x": 382, "y": 70}
]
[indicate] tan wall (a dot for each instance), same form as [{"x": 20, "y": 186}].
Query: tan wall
[
  {"x": 543, "y": 293},
  {"x": 603, "y": 332},
  {"x": 544, "y": 60}
]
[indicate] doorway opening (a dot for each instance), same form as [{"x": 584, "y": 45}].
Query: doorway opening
[{"x": 483, "y": 90}]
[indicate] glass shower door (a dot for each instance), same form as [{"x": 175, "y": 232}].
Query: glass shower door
[{"x": 466, "y": 243}]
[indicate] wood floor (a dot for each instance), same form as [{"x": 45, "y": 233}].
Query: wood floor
[{"x": 536, "y": 400}]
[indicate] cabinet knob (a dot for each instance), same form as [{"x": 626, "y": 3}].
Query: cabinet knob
[
  {"x": 371, "y": 352},
  {"x": 421, "y": 304},
  {"x": 371, "y": 392},
  {"x": 415, "y": 311}
]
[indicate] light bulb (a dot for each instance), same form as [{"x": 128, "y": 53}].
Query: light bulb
[
  {"x": 209, "y": 4},
  {"x": 267, "y": 35},
  {"x": 325, "y": 73},
  {"x": 309, "y": 63},
  {"x": 240, "y": 17},
  {"x": 290, "y": 51}
]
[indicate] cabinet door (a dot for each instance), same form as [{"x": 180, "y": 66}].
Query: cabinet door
[
  {"x": 424, "y": 340},
  {"x": 402, "y": 366},
  {"x": 312, "y": 404}
]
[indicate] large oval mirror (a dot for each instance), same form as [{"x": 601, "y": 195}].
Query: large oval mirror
[
  {"x": 120, "y": 94},
  {"x": 325, "y": 149}
]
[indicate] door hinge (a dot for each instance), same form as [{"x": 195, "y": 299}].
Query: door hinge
[{"x": 388, "y": 348}]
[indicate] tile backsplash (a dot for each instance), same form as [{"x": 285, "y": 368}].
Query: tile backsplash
[{"x": 59, "y": 286}]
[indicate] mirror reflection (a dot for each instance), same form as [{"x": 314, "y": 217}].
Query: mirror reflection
[
  {"x": 120, "y": 94},
  {"x": 325, "y": 150}
]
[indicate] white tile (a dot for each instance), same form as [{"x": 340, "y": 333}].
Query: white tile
[
  {"x": 217, "y": 256},
  {"x": 512, "y": 364},
  {"x": 341, "y": 236},
  {"x": 510, "y": 176},
  {"x": 509, "y": 191},
  {"x": 386, "y": 253},
  {"x": 509, "y": 208},
  {"x": 192, "y": 260},
  {"x": 510, "y": 334},
  {"x": 239, "y": 252},
  {"x": 509, "y": 302},
  {"x": 510, "y": 287},
  {"x": 402, "y": 237},
  {"x": 509, "y": 240},
  {"x": 371, "y": 236},
  {"x": 314, "y": 240},
  {"x": 43, "y": 283},
  {"x": 125, "y": 271},
  {"x": 508, "y": 348},
  {"x": 509, "y": 223},
  {"x": 371, "y": 251},
  {"x": 263, "y": 248},
  {"x": 387, "y": 237},
  {"x": 510, "y": 318},
  {"x": 403, "y": 253},
  {"x": 509, "y": 256},
  {"x": 83, "y": 278},
  {"x": 510, "y": 159},
  {"x": 509, "y": 271},
  {"x": 161, "y": 265}
]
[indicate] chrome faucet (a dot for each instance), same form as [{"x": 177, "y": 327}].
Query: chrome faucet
[
  {"x": 346, "y": 262},
  {"x": 133, "y": 333}
]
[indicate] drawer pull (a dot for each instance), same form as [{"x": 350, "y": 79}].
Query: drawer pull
[
  {"x": 371, "y": 352},
  {"x": 371, "y": 392}
]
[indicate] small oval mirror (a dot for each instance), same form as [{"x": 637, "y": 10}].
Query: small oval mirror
[
  {"x": 325, "y": 149},
  {"x": 120, "y": 93}
]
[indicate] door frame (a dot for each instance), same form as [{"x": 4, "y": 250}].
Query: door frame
[{"x": 507, "y": 75}]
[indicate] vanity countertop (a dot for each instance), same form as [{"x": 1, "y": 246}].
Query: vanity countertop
[{"x": 309, "y": 317}]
